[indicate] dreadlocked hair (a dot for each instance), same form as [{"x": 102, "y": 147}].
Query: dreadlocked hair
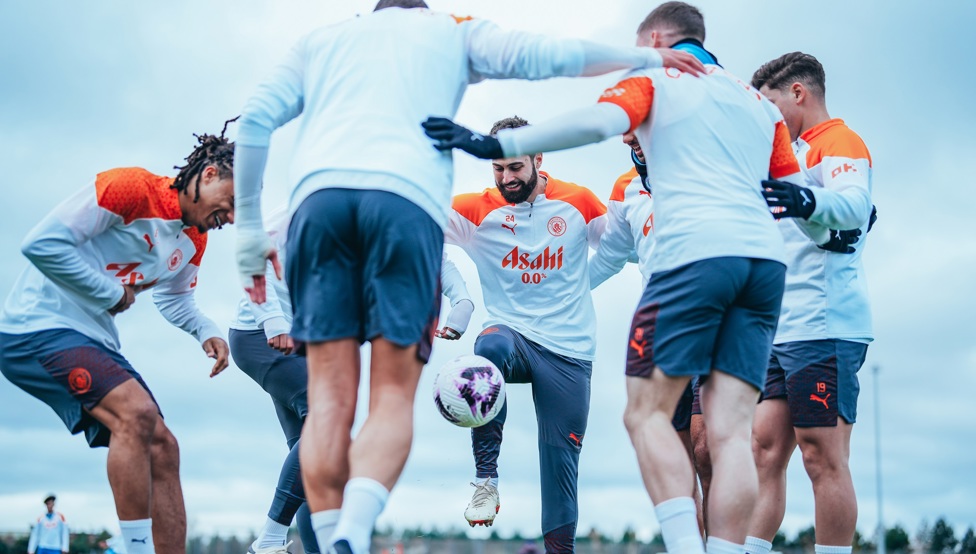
[{"x": 210, "y": 150}]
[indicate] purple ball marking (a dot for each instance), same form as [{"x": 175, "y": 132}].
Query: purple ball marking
[{"x": 478, "y": 402}]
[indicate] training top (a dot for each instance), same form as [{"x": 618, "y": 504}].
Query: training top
[
  {"x": 50, "y": 532},
  {"x": 125, "y": 229},
  {"x": 709, "y": 141},
  {"x": 630, "y": 231},
  {"x": 826, "y": 292},
  {"x": 367, "y": 83},
  {"x": 532, "y": 261},
  {"x": 274, "y": 316}
]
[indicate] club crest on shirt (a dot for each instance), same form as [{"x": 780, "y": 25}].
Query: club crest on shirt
[
  {"x": 175, "y": 259},
  {"x": 557, "y": 226}
]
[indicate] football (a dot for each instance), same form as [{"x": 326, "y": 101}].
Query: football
[{"x": 469, "y": 391}]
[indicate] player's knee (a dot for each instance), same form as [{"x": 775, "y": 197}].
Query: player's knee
[
  {"x": 496, "y": 347},
  {"x": 138, "y": 423},
  {"x": 702, "y": 457},
  {"x": 165, "y": 450},
  {"x": 820, "y": 459}
]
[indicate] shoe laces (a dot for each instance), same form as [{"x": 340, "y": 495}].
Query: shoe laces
[{"x": 483, "y": 494}]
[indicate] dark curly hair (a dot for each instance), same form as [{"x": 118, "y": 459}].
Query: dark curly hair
[{"x": 210, "y": 150}]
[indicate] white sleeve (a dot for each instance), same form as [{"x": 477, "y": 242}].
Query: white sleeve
[
  {"x": 452, "y": 283},
  {"x": 845, "y": 200},
  {"x": 32, "y": 541},
  {"x": 576, "y": 128},
  {"x": 270, "y": 316},
  {"x": 174, "y": 300},
  {"x": 52, "y": 246},
  {"x": 65, "y": 535},
  {"x": 459, "y": 229},
  {"x": 814, "y": 230},
  {"x": 496, "y": 53},
  {"x": 616, "y": 246}
]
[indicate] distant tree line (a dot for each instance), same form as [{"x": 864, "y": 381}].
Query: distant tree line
[{"x": 937, "y": 538}]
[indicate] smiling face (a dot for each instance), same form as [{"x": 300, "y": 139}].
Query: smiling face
[
  {"x": 630, "y": 139},
  {"x": 215, "y": 207},
  {"x": 517, "y": 178}
]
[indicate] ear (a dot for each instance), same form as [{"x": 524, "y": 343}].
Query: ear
[
  {"x": 538, "y": 160},
  {"x": 209, "y": 172},
  {"x": 798, "y": 92}
]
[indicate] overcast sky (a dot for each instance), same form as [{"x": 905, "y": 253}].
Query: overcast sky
[{"x": 88, "y": 86}]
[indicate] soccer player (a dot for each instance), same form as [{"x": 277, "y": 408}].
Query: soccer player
[
  {"x": 824, "y": 329},
  {"x": 529, "y": 237},
  {"x": 50, "y": 534},
  {"x": 630, "y": 234},
  {"x": 263, "y": 348},
  {"x": 369, "y": 203},
  {"x": 127, "y": 232},
  {"x": 717, "y": 273}
]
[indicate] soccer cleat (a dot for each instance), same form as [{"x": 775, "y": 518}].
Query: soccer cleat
[
  {"x": 483, "y": 506},
  {"x": 282, "y": 549}
]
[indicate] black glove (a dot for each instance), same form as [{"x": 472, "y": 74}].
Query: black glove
[
  {"x": 841, "y": 241},
  {"x": 448, "y": 135},
  {"x": 795, "y": 201},
  {"x": 873, "y": 218},
  {"x": 641, "y": 168}
]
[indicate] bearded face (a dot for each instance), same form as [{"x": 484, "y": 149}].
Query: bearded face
[{"x": 516, "y": 179}]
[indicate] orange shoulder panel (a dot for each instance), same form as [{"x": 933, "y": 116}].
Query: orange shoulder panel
[
  {"x": 476, "y": 206},
  {"x": 782, "y": 162},
  {"x": 838, "y": 141},
  {"x": 620, "y": 187},
  {"x": 459, "y": 19},
  {"x": 199, "y": 244},
  {"x": 134, "y": 193},
  {"x": 635, "y": 95},
  {"x": 579, "y": 197}
]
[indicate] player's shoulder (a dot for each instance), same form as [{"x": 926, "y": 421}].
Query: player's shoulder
[
  {"x": 136, "y": 193},
  {"x": 619, "y": 191},
  {"x": 475, "y": 206},
  {"x": 199, "y": 244},
  {"x": 578, "y": 196},
  {"x": 833, "y": 138}
]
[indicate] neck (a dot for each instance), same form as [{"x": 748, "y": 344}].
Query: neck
[
  {"x": 540, "y": 187},
  {"x": 812, "y": 119}
]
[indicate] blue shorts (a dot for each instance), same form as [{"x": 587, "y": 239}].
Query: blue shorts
[
  {"x": 696, "y": 397},
  {"x": 717, "y": 313},
  {"x": 682, "y": 413},
  {"x": 364, "y": 264},
  {"x": 69, "y": 372},
  {"x": 818, "y": 379},
  {"x": 285, "y": 378}
]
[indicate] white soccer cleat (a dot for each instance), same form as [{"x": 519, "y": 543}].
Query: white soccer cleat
[
  {"x": 483, "y": 506},
  {"x": 283, "y": 549}
]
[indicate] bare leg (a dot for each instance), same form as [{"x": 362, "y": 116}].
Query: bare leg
[
  {"x": 685, "y": 436},
  {"x": 168, "y": 508},
  {"x": 728, "y": 404},
  {"x": 380, "y": 450},
  {"x": 703, "y": 464},
  {"x": 773, "y": 443},
  {"x": 333, "y": 383},
  {"x": 131, "y": 416},
  {"x": 826, "y": 451}
]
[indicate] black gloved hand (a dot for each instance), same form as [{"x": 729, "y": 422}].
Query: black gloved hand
[
  {"x": 841, "y": 241},
  {"x": 641, "y": 168},
  {"x": 448, "y": 135},
  {"x": 873, "y": 218},
  {"x": 795, "y": 201}
]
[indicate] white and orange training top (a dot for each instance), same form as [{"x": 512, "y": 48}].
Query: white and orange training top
[
  {"x": 532, "y": 261},
  {"x": 709, "y": 141},
  {"x": 630, "y": 231},
  {"x": 126, "y": 229},
  {"x": 826, "y": 292}
]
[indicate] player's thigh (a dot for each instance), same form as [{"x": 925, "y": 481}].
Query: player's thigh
[
  {"x": 76, "y": 377},
  {"x": 561, "y": 392},
  {"x": 508, "y": 350},
  {"x": 821, "y": 380},
  {"x": 745, "y": 338},
  {"x": 402, "y": 250},
  {"x": 324, "y": 267},
  {"x": 679, "y": 316}
]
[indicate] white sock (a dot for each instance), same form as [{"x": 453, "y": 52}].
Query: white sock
[
  {"x": 324, "y": 524},
  {"x": 137, "y": 535},
  {"x": 679, "y": 525},
  {"x": 821, "y": 549},
  {"x": 362, "y": 502},
  {"x": 755, "y": 545},
  {"x": 716, "y": 545},
  {"x": 273, "y": 534},
  {"x": 492, "y": 480}
]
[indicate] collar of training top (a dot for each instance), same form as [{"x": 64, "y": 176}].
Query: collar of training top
[{"x": 696, "y": 48}]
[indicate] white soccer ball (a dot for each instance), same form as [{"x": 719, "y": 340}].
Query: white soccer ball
[{"x": 469, "y": 391}]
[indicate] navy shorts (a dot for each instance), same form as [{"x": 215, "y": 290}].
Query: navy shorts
[
  {"x": 818, "y": 379},
  {"x": 285, "y": 378},
  {"x": 718, "y": 313},
  {"x": 364, "y": 264},
  {"x": 69, "y": 372},
  {"x": 682, "y": 413},
  {"x": 696, "y": 396}
]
